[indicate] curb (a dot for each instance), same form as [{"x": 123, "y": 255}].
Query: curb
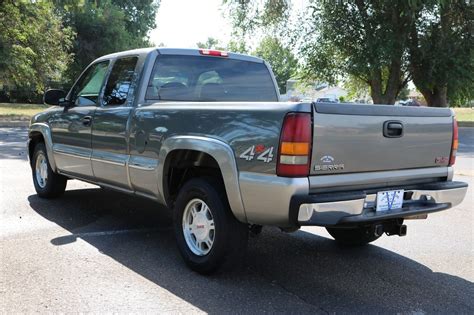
[{"x": 14, "y": 124}]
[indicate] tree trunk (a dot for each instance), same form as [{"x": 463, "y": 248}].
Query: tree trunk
[{"x": 438, "y": 97}]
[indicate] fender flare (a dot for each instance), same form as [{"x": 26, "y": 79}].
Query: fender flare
[
  {"x": 45, "y": 131},
  {"x": 221, "y": 152}
]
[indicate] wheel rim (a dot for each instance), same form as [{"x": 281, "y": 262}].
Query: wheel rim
[
  {"x": 41, "y": 170},
  {"x": 198, "y": 227}
]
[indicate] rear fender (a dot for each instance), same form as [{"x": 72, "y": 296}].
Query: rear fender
[{"x": 221, "y": 152}]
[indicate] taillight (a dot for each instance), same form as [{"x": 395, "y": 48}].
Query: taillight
[
  {"x": 455, "y": 143},
  {"x": 210, "y": 52},
  {"x": 294, "y": 154}
]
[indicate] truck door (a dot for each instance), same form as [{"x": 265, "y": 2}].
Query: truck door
[
  {"x": 110, "y": 151},
  {"x": 71, "y": 128}
]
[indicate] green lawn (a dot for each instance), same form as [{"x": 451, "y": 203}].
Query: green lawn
[
  {"x": 19, "y": 111},
  {"x": 464, "y": 114}
]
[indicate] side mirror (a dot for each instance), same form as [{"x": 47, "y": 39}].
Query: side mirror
[{"x": 54, "y": 97}]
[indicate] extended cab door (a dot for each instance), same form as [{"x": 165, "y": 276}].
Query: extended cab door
[
  {"x": 71, "y": 128},
  {"x": 110, "y": 151}
]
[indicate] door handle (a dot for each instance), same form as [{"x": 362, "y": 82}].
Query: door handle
[
  {"x": 87, "y": 120},
  {"x": 392, "y": 129}
]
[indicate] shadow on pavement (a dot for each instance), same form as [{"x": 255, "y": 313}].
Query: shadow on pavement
[{"x": 295, "y": 273}]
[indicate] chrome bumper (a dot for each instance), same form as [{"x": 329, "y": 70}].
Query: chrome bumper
[{"x": 361, "y": 208}]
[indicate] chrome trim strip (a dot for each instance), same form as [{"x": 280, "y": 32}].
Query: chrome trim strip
[
  {"x": 109, "y": 157},
  {"x": 143, "y": 163},
  {"x": 72, "y": 155},
  {"x": 72, "y": 151},
  {"x": 108, "y": 161}
]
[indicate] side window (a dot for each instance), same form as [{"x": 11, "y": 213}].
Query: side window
[
  {"x": 120, "y": 81},
  {"x": 87, "y": 89}
]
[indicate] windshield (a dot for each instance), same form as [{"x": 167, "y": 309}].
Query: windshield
[{"x": 210, "y": 79}]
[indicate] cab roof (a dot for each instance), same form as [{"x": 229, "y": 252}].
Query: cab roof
[{"x": 175, "y": 51}]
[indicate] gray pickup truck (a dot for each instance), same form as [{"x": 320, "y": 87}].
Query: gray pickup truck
[{"x": 203, "y": 132}]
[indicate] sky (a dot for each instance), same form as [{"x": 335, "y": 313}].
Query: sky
[{"x": 183, "y": 23}]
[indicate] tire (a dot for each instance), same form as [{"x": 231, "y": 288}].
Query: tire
[
  {"x": 353, "y": 236},
  {"x": 211, "y": 222},
  {"x": 47, "y": 183}
]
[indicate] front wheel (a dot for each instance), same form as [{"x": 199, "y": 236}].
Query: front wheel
[
  {"x": 47, "y": 183},
  {"x": 357, "y": 236},
  {"x": 207, "y": 233}
]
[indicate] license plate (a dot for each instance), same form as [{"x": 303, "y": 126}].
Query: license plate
[{"x": 389, "y": 200}]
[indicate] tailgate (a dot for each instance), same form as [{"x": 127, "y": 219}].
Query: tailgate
[{"x": 351, "y": 138}]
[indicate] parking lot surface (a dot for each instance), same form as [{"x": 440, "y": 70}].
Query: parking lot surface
[{"x": 96, "y": 250}]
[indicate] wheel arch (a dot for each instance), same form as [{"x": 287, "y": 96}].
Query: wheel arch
[
  {"x": 41, "y": 132},
  {"x": 220, "y": 152}
]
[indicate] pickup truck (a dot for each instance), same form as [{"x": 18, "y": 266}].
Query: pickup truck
[{"x": 203, "y": 132}]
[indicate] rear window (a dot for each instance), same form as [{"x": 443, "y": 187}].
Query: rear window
[{"x": 210, "y": 79}]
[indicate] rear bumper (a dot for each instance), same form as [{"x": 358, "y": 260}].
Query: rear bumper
[{"x": 358, "y": 207}]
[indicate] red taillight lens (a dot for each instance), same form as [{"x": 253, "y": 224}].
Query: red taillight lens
[
  {"x": 455, "y": 143},
  {"x": 210, "y": 52},
  {"x": 294, "y": 153}
]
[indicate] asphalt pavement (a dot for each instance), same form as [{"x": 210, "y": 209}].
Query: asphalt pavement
[{"x": 96, "y": 250}]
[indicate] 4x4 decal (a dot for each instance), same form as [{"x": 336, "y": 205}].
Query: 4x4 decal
[{"x": 263, "y": 154}]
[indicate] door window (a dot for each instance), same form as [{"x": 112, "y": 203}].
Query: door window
[
  {"x": 87, "y": 89},
  {"x": 120, "y": 81}
]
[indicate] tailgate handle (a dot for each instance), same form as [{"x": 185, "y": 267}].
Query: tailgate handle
[{"x": 392, "y": 129}]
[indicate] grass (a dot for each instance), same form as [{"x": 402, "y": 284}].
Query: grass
[
  {"x": 18, "y": 111},
  {"x": 465, "y": 115}
]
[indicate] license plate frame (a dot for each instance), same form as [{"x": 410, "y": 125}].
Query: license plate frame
[{"x": 388, "y": 200}]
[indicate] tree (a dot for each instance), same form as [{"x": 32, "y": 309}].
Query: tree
[
  {"x": 34, "y": 44},
  {"x": 442, "y": 52},
  {"x": 380, "y": 42},
  {"x": 363, "y": 39},
  {"x": 210, "y": 43},
  {"x": 280, "y": 58},
  {"x": 105, "y": 27}
]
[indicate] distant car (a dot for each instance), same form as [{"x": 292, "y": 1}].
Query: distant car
[
  {"x": 409, "y": 103},
  {"x": 326, "y": 100}
]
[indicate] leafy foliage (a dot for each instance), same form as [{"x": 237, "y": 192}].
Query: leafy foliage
[
  {"x": 442, "y": 52},
  {"x": 34, "y": 44},
  {"x": 363, "y": 39},
  {"x": 382, "y": 43},
  {"x": 281, "y": 59},
  {"x": 105, "y": 27}
]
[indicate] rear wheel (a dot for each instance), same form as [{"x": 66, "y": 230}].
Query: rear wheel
[
  {"x": 47, "y": 183},
  {"x": 207, "y": 233},
  {"x": 358, "y": 236}
]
